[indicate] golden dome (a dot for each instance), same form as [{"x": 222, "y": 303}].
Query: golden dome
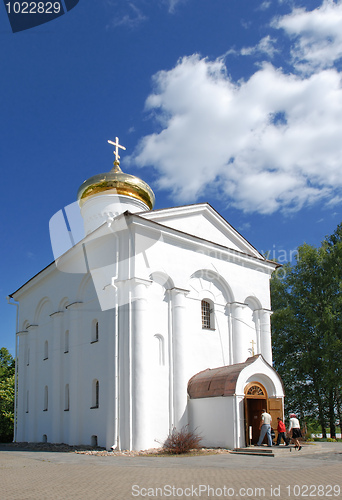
[{"x": 116, "y": 182}]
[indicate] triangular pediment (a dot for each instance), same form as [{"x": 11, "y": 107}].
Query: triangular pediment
[{"x": 203, "y": 221}]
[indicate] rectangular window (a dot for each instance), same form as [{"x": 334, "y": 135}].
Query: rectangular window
[{"x": 205, "y": 314}]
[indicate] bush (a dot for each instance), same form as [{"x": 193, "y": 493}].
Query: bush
[
  {"x": 181, "y": 441},
  {"x": 331, "y": 440}
]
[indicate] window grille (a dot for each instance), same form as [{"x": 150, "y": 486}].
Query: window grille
[
  {"x": 255, "y": 390},
  {"x": 206, "y": 314}
]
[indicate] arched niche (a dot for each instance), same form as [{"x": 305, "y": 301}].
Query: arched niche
[{"x": 206, "y": 280}]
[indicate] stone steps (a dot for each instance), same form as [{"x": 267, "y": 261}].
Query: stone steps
[{"x": 254, "y": 451}]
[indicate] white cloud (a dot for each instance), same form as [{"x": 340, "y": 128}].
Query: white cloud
[
  {"x": 271, "y": 142},
  {"x": 265, "y": 5},
  {"x": 265, "y": 46},
  {"x": 317, "y": 35},
  {"x": 131, "y": 19},
  {"x": 172, "y": 4}
]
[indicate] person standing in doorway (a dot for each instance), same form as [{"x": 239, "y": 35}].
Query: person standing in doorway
[
  {"x": 294, "y": 430},
  {"x": 265, "y": 428}
]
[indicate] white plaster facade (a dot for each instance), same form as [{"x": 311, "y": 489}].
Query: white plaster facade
[{"x": 111, "y": 334}]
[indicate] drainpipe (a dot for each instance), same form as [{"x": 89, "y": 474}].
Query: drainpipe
[{"x": 16, "y": 365}]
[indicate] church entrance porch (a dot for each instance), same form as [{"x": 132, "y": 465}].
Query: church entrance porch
[{"x": 226, "y": 403}]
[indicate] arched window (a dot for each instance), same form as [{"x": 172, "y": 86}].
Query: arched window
[
  {"x": 66, "y": 398},
  {"x": 161, "y": 353},
  {"x": 46, "y": 350},
  {"x": 46, "y": 398},
  {"x": 95, "y": 331},
  {"x": 95, "y": 394},
  {"x": 207, "y": 308},
  {"x": 66, "y": 342}
]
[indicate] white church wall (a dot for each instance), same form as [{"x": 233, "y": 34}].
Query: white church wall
[
  {"x": 178, "y": 272},
  {"x": 214, "y": 420},
  {"x": 198, "y": 225},
  {"x": 159, "y": 361}
]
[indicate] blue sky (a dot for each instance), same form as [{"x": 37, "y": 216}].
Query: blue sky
[{"x": 233, "y": 102}]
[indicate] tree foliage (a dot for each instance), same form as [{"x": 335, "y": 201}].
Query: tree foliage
[
  {"x": 7, "y": 368},
  {"x": 307, "y": 330}
]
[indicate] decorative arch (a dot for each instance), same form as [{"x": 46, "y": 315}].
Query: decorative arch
[
  {"x": 263, "y": 381},
  {"x": 211, "y": 277},
  {"x": 25, "y": 325},
  {"x": 253, "y": 302},
  {"x": 162, "y": 279},
  {"x": 44, "y": 304},
  {"x": 255, "y": 390},
  {"x": 63, "y": 303}
]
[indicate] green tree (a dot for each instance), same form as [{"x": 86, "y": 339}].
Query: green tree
[
  {"x": 306, "y": 325},
  {"x": 7, "y": 362},
  {"x": 7, "y": 369}
]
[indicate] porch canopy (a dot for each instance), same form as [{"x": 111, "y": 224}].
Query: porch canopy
[{"x": 217, "y": 382}]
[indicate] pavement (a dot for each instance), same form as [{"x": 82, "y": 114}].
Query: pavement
[{"x": 315, "y": 471}]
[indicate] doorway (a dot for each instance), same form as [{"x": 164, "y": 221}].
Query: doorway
[
  {"x": 254, "y": 407},
  {"x": 255, "y": 401}
]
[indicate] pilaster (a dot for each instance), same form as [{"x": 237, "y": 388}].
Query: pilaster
[
  {"x": 23, "y": 381},
  {"x": 141, "y": 418},
  {"x": 57, "y": 379},
  {"x": 265, "y": 335},
  {"x": 32, "y": 385},
  {"x": 179, "y": 349},
  {"x": 238, "y": 337},
  {"x": 75, "y": 391}
]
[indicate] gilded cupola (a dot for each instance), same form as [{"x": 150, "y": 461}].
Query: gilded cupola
[
  {"x": 116, "y": 182},
  {"x": 104, "y": 196}
]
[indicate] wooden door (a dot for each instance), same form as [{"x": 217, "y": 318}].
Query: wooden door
[{"x": 275, "y": 409}]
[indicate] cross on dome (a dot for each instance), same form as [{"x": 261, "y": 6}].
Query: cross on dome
[
  {"x": 253, "y": 343},
  {"x": 117, "y": 146}
]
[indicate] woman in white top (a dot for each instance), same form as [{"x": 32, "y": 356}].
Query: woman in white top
[{"x": 296, "y": 432}]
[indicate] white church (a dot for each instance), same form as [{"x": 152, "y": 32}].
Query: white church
[{"x": 154, "y": 320}]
